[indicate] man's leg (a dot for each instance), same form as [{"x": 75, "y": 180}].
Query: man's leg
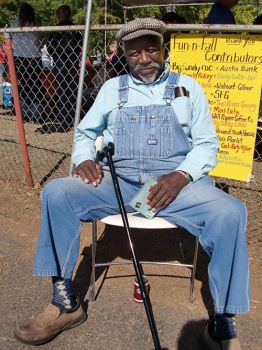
[
  {"x": 65, "y": 204},
  {"x": 66, "y": 77},
  {"x": 220, "y": 222}
]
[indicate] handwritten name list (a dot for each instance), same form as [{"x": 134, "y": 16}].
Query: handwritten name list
[{"x": 228, "y": 67}]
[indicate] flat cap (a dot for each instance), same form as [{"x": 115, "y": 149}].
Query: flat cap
[{"x": 140, "y": 27}]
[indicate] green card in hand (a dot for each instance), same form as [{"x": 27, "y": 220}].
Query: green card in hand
[{"x": 138, "y": 202}]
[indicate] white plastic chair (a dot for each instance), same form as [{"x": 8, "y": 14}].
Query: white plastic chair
[{"x": 137, "y": 221}]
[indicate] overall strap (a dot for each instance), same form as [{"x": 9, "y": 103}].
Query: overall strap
[
  {"x": 123, "y": 90},
  {"x": 170, "y": 85},
  {"x": 172, "y": 90}
]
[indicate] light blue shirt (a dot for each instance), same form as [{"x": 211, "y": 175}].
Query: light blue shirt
[{"x": 193, "y": 114}]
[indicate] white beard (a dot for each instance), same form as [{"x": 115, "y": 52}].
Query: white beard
[{"x": 146, "y": 79}]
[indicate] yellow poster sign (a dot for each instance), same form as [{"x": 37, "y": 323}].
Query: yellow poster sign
[{"x": 229, "y": 68}]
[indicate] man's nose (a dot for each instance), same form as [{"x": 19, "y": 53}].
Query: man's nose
[{"x": 144, "y": 57}]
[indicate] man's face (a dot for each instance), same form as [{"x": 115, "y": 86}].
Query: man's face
[{"x": 145, "y": 57}]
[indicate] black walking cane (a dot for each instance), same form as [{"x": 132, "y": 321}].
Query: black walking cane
[{"x": 108, "y": 152}]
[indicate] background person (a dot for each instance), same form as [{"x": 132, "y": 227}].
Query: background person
[
  {"x": 117, "y": 65},
  {"x": 3, "y": 59},
  {"x": 158, "y": 134},
  {"x": 171, "y": 18},
  {"x": 27, "y": 56},
  {"x": 47, "y": 60},
  {"x": 6, "y": 91},
  {"x": 65, "y": 49},
  {"x": 97, "y": 59},
  {"x": 220, "y": 12},
  {"x": 113, "y": 51},
  {"x": 258, "y": 19}
]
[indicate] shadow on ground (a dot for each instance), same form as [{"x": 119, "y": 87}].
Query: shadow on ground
[{"x": 156, "y": 245}]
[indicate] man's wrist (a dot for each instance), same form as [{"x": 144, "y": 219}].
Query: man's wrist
[{"x": 186, "y": 175}]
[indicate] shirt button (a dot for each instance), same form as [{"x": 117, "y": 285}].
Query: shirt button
[
  {"x": 152, "y": 117},
  {"x": 133, "y": 117}
]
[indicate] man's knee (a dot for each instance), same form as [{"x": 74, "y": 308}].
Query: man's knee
[
  {"x": 56, "y": 189},
  {"x": 232, "y": 218},
  {"x": 235, "y": 209}
]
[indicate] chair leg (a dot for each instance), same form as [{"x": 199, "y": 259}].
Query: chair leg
[
  {"x": 93, "y": 270},
  {"x": 193, "y": 272}
]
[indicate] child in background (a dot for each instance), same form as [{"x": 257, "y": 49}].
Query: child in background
[
  {"x": 47, "y": 60},
  {"x": 6, "y": 90},
  {"x": 2, "y": 61}
]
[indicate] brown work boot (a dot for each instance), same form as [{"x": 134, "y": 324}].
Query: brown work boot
[
  {"x": 211, "y": 344},
  {"x": 48, "y": 324}
]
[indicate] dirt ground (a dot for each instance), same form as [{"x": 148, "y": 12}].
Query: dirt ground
[
  {"x": 115, "y": 322},
  {"x": 114, "y": 319}
]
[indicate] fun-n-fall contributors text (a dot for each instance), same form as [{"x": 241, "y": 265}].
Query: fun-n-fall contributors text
[{"x": 228, "y": 67}]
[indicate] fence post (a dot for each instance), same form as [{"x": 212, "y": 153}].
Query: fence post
[
  {"x": 82, "y": 73},
  {"x": 18, "y": 111}
]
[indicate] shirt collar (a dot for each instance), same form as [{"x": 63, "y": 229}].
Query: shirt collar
[{"x": 163, "y": 76}]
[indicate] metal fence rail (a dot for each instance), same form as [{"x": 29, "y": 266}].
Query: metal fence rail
[
  {"x": 47, "y": 87},
  {"x": 47, "y": 62},
  {"x": 48, "y": 84}
]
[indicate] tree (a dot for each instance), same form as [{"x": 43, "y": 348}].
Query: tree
[{"x": 45, "y": 11}]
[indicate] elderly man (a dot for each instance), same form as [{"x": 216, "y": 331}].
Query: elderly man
[{"x": 162, "y": 129}]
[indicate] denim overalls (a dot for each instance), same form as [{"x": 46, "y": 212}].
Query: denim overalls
[{"x": 149, "y": 142}]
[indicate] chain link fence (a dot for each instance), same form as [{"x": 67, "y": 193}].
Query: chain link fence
[
  {"x": 47, "y": 65},
  {"x": 47, "y": 85}
]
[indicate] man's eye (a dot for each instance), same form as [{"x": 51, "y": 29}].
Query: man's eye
[
  {"x": 152, "y": 50},
  {"x": 134, "y": 54}
]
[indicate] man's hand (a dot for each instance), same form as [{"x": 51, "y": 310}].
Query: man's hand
[
  {"x": 89, "y": 171},
  {"x": 166, "y": 190}
]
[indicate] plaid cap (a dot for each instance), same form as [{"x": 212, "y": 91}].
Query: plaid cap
[{"x": 140, "y": 27}]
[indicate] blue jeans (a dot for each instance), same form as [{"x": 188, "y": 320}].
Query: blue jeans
[{"x": 218, "y": 219}]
